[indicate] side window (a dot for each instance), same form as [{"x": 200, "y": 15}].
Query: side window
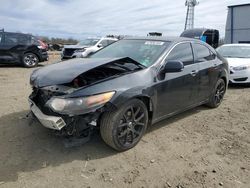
[
  {"x": 11, "y": 39},
  {"x": 34, "y": 41},
  {"x": 182, "y": 52},
  {"x": 1, "y": 36},
  {"x": 15, "y": 39},
  {"x": 104, "y": 43},
  {"x": 203, "y": 53},
  {"x": 111, "y": 41},
  {"x": 24, "y": 39}
]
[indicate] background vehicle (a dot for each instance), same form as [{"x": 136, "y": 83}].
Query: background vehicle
[
  {"x": 24, "y": 49},
  {"x": 126, "y": 86},
  {"x": 86, "y": 47},
  {"x": 210, "y": 36},
  {"x": 238, "y": 57}
]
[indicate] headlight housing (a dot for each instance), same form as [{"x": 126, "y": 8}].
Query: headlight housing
[
  {"x": 81, "y": 105},
  {"x": 79, "y": 51},
  {"x": 240, "y": 68}
]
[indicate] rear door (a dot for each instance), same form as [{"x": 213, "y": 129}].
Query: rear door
[
  {"x": 179, "y": 90},
  {"x": 9, "y": 47},
  {"x": 1, "y": 46},
  {"x": 208, "y": 66},
  {"x": 16, "y": 45}
]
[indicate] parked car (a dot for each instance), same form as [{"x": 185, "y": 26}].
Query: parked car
[
  {"x": 238, "y": 57},
  {"x": 86, "y": 47},
  {"x": 210, "y": 36},
  {"x": 126, "y": 86},
  {"x": 22, "y": 49}
]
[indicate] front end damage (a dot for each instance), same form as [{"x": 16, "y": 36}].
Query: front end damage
[
  {"x": 68, "y": 125},
  {"x": 58, "y": 108}
]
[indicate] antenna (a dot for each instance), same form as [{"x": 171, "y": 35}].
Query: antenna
[{"x": 189, "y": 24}]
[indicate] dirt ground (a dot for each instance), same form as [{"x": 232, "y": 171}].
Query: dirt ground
[{"x": 200, "y": 148}]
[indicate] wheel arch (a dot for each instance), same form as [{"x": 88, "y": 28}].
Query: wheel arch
[
  {"x": 39, "y": 58},
  {"x": 149, "y": 104},
  {"x": 224, "y": 78}
]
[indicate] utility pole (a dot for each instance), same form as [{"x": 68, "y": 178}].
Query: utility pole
[{"x": 189, "y": 23}]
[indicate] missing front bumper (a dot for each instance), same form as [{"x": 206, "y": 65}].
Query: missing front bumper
[{"x": 51, "y": 122}]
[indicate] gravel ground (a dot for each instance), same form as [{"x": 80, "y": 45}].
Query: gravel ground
[{"x": 199, "y": 148}]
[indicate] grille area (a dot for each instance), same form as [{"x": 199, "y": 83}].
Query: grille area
[
  {"x": 68, "y": 52},
  {"x": 240, "y": 79},
  {"x": 40, "y": 97}
]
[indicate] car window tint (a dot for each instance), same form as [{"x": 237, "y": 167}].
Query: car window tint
[
  {"x": 14, "y": 39},
  {"x": 1, "y": 37},
  {"x": 24, "y": 39},
  {"x": 182, "y": 52},
  {"x": 34, "y": 41},
  {"x": 203, "y": 53},
  {"x": 11, "y": 39}
]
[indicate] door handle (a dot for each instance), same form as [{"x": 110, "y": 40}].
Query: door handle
[{"x": 194, "y": 72}]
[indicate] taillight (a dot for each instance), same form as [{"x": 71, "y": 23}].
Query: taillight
[{"x": 42, "y": 45}]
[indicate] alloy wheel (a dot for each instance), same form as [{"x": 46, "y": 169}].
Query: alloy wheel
[
  {"x": 219, "y": 93},
  {"x": 30, "y": 60},
  {"x": 131, "y": 126}
]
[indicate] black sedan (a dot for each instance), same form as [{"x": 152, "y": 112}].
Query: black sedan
[{"x": 126, "y": 86}]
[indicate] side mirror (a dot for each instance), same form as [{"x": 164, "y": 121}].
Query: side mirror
[
  {"x": 99, "y": 45},
  {"x": 172, "y": 66}
]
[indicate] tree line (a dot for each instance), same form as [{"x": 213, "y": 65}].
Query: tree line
[{"x": 62, "y": 41}]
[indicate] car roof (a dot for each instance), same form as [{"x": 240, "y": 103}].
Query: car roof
[
  {"x": 236, "y": 44},
  {"x": 17, "y": 33},
  {"x": 161, "y": 38}
]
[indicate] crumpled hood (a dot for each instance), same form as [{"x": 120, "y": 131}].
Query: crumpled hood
[
  {"x": 235, "y": 62},
  {"x": 66, "y": 71}
]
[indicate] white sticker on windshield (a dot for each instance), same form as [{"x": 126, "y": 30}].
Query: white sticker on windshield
[{"x": 158, "y": 43}]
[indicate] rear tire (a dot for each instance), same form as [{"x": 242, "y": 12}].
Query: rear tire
[
  {"x": 30, "y": 60},
  {"x": 123, "y": 128},
  {"x": 218, "y": 94}
]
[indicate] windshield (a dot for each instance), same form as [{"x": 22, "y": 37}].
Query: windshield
[
  {"x": 145, "y": 52},
  {"x": 234, "y": 51},
  {"x": 88, "y": 42}
]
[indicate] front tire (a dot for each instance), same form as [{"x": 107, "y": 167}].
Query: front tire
[
  {"x": 123, "y": 128},
  {"x": 30, "y": 60},
  {"x": 218, "y": 94}
]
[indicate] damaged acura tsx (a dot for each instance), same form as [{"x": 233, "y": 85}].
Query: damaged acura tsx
[{"x": 126, "y": 86}]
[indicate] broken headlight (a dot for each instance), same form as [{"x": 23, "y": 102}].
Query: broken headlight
[
  {"x": 80, "y": 50},
  {"x": 79, "y": 105}
]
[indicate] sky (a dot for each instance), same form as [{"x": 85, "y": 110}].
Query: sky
[{"x": 81, "y": 18}]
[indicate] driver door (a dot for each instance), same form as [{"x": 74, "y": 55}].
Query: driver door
[{"x": 178, "y": 91}]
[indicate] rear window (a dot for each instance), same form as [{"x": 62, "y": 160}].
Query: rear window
[{"x": 34, "y": 41}]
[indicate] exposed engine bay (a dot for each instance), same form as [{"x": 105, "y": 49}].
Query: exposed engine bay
[{"x": 107, "y": 71}]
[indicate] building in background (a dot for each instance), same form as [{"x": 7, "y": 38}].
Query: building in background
[{"x": 238, "y": 24}]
